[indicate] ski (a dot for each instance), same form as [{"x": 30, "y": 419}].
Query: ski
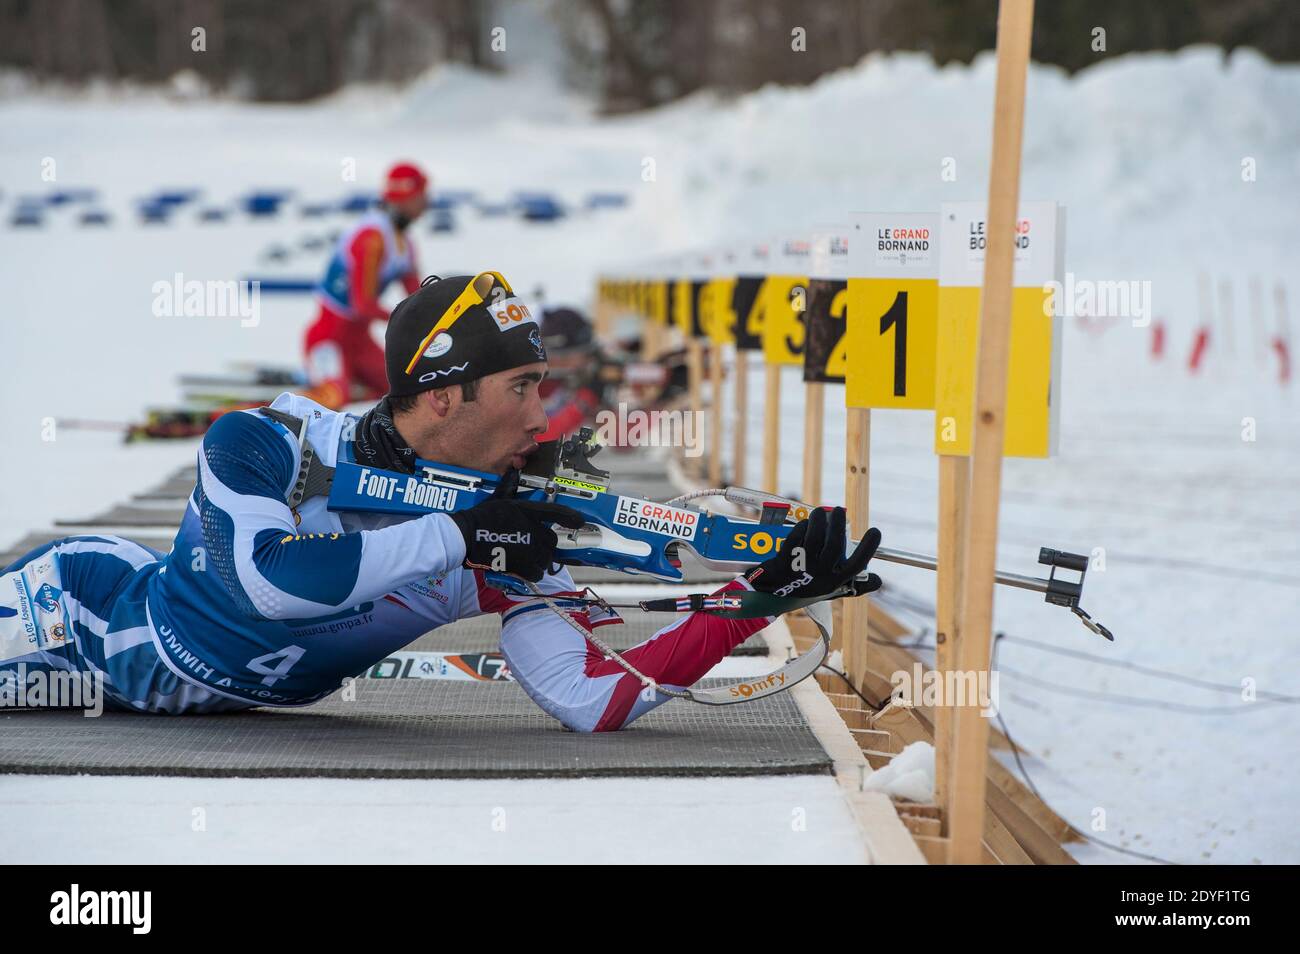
[
  {"x": 458, "y": 667},
  {"x": 242, "y": 376}
]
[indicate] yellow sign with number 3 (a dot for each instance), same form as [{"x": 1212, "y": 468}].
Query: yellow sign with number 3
[{"x": 784, "y": 298}]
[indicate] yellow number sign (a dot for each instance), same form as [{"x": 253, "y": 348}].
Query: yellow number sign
[
  {"x": 719, "y": 319},
  {"x": 683, "y": 306},
  {"x": 659, "y": 302},
  {"x": 783, "y": 299},
  {"x": 837, "y": 365},
  {"x": 891, "y": 340},
  {"x": 1033, "y": 374},
  {"x": 893, "y": 310}
]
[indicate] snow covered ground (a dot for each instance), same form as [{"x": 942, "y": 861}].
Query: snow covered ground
[
  {"x": 1199, "y": 526},
  {"x": 781, "y": 819}
]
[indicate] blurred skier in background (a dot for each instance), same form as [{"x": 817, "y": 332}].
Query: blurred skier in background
[
  {"x": 579, "y": 382},
  {"x": 344, "y": 362},
  {"x": 585, "y": 378}
]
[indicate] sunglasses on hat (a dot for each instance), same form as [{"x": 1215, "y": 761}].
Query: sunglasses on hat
[{"x": 475, "y": 293}]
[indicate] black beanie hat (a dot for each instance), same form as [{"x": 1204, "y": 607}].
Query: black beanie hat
[
  {"x": 564, "y": 329},
  {"x": 453, "y": 330}
]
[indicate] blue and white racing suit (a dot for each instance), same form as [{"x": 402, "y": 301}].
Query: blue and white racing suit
[{"x": 260, "y": 604}]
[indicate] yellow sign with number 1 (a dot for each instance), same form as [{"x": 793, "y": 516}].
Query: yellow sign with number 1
[
  {"x": 1033, "y": 374},
  {"x": 893, "y": 308}
]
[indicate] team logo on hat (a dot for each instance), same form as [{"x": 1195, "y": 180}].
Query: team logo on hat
[
  {"x": 535, "y": 339},
  {"x": 440, "y": 345},
  {"x": 442, "y": 372},
  {"x": 512, "y": 312}
]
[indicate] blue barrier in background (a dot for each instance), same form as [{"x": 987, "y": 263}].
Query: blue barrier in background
[
  {"x": 606, "y": 200},
  {"x": 276, "y": 253},
  {"x": 154, "y": 213},
  {"x": 173, "y": 197},
  {"x": 157, "y": 207},
  {"x": 538, "y": 207},
  {"x": 453, "y": 198},
  {"x": 69, "y": 196},
  {"x": 358, "y": 202},
  {"x": 283, "y": 286},
  {"x": 264, "y": 204}
]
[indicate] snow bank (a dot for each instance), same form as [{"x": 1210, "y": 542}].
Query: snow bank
[{"x": 909, "y": 775}]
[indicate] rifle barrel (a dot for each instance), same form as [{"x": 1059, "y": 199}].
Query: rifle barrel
[{"x": 926, "y": 562}]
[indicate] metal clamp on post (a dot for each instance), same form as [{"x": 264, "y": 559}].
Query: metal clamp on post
[{"x": 1067, "y": 592}]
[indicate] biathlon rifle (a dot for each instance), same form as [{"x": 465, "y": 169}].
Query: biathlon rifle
[{"x": 643, "y": 537}]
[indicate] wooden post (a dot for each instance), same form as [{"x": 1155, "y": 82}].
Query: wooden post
[
  {"x": 650, "y": 346},
  {"x": 954, "y": 478},
  {"x": 741, "y": 416},
  {"x": 771, "y": 427},
  {"x": 695, "y": 380},
  {"x": 975, "y": 622},
  {"x": 716, "y": 377},
  {"x": 814, "y": 427},
  {"x": 601, "y": 319},
  {"x": 851, "y": 637}
]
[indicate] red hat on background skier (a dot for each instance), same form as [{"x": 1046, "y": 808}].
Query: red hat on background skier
[{"x": 403, "y": 181}]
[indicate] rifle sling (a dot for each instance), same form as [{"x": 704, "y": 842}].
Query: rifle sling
[{"x": 314, "y": 477}]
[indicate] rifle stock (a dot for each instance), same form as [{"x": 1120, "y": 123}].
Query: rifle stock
[{"x": 638, "y": 536}]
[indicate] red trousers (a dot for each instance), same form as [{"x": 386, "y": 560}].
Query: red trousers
[{"x": 344, "y": 363}]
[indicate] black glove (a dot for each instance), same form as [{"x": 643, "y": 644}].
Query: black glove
[
  {"x": 811, "y": 562},
  {"x": 517, "y": 528}
]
